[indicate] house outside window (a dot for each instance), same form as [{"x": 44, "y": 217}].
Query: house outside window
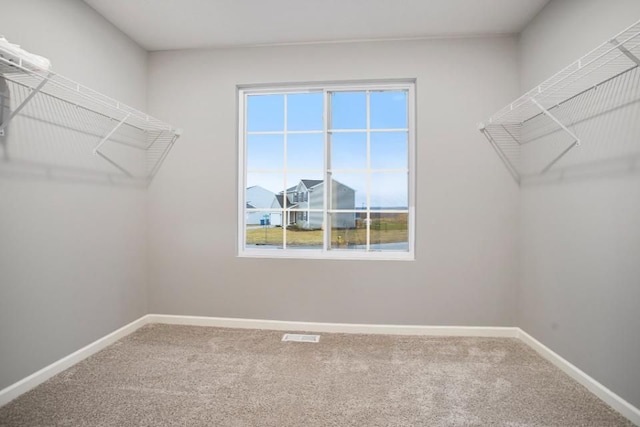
[{"x": 332, "y": 169}]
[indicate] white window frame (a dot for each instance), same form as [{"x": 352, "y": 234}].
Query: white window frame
[{"x": 326, "y": 89}]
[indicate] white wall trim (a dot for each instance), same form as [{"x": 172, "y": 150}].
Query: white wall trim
[
  {"x": 37, "y": 378},
  {"x": 348, "y": 328},
  {"x": 616, "y": 402}
]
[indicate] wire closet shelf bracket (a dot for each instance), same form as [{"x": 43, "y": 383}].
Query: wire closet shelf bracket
[
  {"x": 556, "y": 105},
  {"x": 58, "y": 111}
]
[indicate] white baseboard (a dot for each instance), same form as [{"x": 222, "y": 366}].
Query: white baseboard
[
  {"x": 616, "y": 402},
  {"x": 347, "y": 328},
  {"x": 612, "y": 399},
  {"x": 37, "y": 378}
]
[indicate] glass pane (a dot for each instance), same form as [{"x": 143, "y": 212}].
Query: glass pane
[
  {"x": 389, "y": 232},
  {"x": 263, "y": 229},
  {"x": 265, "y": 113},
  {"x": 348, "y": 191},
  {"x": 348, "y": 110},
  {"x": 263, "y": 190},
  {"x": 389, "y": 110},
  {"x": 264, "y": 218},
  {"x": 389, "y": 150},
  {"x": 305, "y": 111},
  {"x": 305, "y": 191},
  {"x": 347, "y": 233},
  {"x": 305, "y": 151},
  {"x": 389, "y": 191},
  {"x": 304, "y": 230},
  {"x": 265, "y": 152},
  {"x": 298, "y": 219},
  {"x": 349, "y": 150}
]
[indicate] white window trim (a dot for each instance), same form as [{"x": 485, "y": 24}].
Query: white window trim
[{"x": 325, "y": 253}]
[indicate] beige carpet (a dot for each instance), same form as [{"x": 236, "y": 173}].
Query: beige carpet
[{"x": 195, "y": 376}]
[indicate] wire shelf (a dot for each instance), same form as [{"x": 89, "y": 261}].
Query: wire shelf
[
  {"x": 48, "y": 119},
  {"x": 538, "y": 130}
]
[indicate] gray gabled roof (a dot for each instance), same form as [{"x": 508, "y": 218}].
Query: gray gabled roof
[
  {"x": 279, "y": 199},
  {"x": 311, "y": 182}
]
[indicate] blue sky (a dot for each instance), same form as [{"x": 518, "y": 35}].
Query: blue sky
[{"x": 388, "y": 110}]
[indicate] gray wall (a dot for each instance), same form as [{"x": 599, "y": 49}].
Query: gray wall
[
  {"x": 72, "y": 254},
  {"x": 465, "y": 271},
  {"x": 580, "y": 271}
]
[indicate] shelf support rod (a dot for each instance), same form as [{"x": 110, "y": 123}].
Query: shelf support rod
[
  {"x": 555, "y": 119},
  {"x": 29, "y": 97},
  {"x": 106, "y": 138},
  {"x": 97, "y": 152},
  {"x": 576, "y": 140},
  {"x": 554, "y": 161},
  {"x": 626, "y": 51}
]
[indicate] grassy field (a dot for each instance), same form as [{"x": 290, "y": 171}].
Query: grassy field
[{"x": 385, "y": 228}]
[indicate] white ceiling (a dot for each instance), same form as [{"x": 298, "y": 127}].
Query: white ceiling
[{"x": 185, "y": 24}]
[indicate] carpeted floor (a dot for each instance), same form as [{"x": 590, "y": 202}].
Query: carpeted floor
[{"x": 166, "y": 375}]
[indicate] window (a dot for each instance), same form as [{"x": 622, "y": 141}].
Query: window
[{"x": 328, "y": 171}]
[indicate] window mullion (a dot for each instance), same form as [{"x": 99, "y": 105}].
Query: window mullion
[
  {"x": 368, "y": 173},
  {"x": 285, "y": 198},
  {"x": 326, "y": 235}
]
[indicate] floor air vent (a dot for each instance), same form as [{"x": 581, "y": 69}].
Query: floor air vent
[{"x": 301, "y": 338}]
